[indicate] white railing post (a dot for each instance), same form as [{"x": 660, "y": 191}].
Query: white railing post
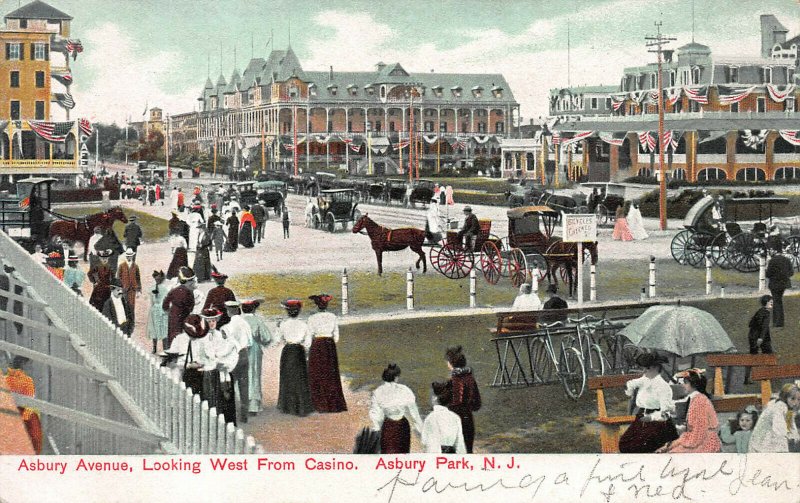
[
  {"x": 204, "y": 429},
  {"x": 239, "y": 449},
  {"x": 410, "y": 290},
  {"x": 221, "y": 444},
  {"x": 652, "y": 281},
  {"x": 535, "y": 280},
  {"x": 250, "y": 445},
  {"x": 762, "y": 273},
  {"x": 708, "y": 274},
  {"x": 472, "y": 288},
  {"x": 592, "y": 283},
  {"x": 213, "y": 419},
  {"x": 230, "y": 439},
  {"x": 642, "y": 295},
  {"x": 197, "y": 432},
  {"x": 345, "y": 293}
]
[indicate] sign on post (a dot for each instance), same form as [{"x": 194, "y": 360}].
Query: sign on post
[{"x": 579, "y": 228}]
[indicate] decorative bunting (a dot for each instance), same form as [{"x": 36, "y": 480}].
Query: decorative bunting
[
  {"x": 65, "y": 100},
  {"x": 85, "y": 127},
  {"x": 556, "y": 137},
  {"x": 730, "y": 95},
  {"x": 647, "y": 141},
  {"x": 64, "y": 77},
  {"x": 481, "y": 138},
  {"x": 73, "y": 47},
  {"x": 579, "y": 135},
  {"x": 698, "y": 94},
  {"x": 792, "y": 137},
  {"x": 401, "y": 144},
  {"x": 430, "y": 138},
  {"x": 609, "y": 138},
  {"x": 670, "y": 140},
  {"x": 617, "y": 102},
  {"x": 673, "y": 94},
  {"x": 355, "y": 148},
  {"x": 52, "y": 132},
  {"x": 778, "y": 95}
]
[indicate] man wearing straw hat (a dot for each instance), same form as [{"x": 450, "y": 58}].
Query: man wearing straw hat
[
  {"x": 73, "y": 276},
  {"x": 117, "y": 309},
  {"x": 130, "y": 278}
]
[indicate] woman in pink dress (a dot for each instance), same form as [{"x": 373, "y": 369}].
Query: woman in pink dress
[
  {"x": 621, "y": 229},
  {"x": 701, "y": 418}
]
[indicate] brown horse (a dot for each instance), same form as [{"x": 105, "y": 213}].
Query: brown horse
[
  {"x": 563, "y": 257},
  {"x": 81, "y": 229},
  {"x": 385, "y": 239}
]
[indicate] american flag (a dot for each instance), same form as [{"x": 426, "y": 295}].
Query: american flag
[
  {"x": 65, "y": 100},
  {"x": 55, "y": 132},
  {"x": 647, "y": 141},
  {"x": 401, "y": 144},
  {"x": 579, "y": 135},
  {"x": 74, "y": 47},
  {"x": 728, "y": 95},
  {"x": 616, "y": 102},
  {"x": 556, "y": 137},
  {"x": 461, "y": 144},
  {"x": 24, "y": 203},
  {"x": 698, "y": 94},
  {"x": 86, "y": 127},
  {"x": 792, "y": 137},
  {"x": 355, "y": 148}
]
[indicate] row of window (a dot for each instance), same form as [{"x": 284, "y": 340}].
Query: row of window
[
  {"x": 428, "y": 127},
  {"x": 744, "y": 174},
  {"x": 16, "y": 110},
  {"x": 566, "y": 104},
  {"x": 14, "y": 79},
  {"x": 692, "y": 77},
  {"x": 15, "y": 51},
  {"x": 790, "y": 105},
  {"x": 437, "y": 91}
]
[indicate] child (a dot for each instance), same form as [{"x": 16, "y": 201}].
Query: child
[
  {"x": 218, "y": 238},
  {"x": 777, "y": 426},
  {"x": 739, "y": 432},
  {"x": 285, "y": 211}
]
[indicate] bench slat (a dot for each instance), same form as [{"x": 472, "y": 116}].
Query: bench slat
[
  {"x": 611, "y": 381},
  {"x": 734, "y": 403},
  {"x": 776, "y": 372},
  {"x": 740, "y": 360},
  {"x": 616, "y": 420}
]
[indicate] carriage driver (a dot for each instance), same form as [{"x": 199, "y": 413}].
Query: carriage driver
[{"x": 470, "y": 230}]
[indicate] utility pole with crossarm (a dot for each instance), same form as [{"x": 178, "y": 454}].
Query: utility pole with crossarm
[{"x": 658, "y": 42}]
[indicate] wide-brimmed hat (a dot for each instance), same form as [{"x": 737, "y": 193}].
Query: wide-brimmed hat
[
  {"x": 250, "y": 305},
  {"x": 129, "y": 252},
  {"x": 54, "y": 255},
  {"x": 321, "y": 300},
  {"x": 194, "y": 327},
  {"x": 647, "y": 360},
  {"x": 186, "y": 274},
  {"x": 105, "y": 253},
  {"x": 218, "y": 276},
  {"x": 133, "y": 217},
  {"x": 72, "y": 257},
  {"x": 232, "y": 304},
  {"x": 292, "y": 304},
  {"x": 467, "y": 209},
  {"x": 211, "y": 313},
  {"x": 114, "y": 283}
]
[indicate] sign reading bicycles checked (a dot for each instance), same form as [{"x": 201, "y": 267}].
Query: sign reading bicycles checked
[{"x": 579, "y": 228}]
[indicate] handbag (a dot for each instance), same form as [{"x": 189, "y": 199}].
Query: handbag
[{"x": 192, "y": 377}]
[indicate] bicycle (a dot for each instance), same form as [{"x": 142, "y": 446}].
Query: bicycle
[
  {"x": 594, "y": 359},
  {"x": 567, "y": 366}
]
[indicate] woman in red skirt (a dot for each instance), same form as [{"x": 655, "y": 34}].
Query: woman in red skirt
[
  {"x": 466, "y": 397},
  {"x": 324, "y": 380},
  {"x": 392, "y": 405}
]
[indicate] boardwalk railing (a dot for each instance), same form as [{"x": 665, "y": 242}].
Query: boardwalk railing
[{"x": 152, "y": 398}]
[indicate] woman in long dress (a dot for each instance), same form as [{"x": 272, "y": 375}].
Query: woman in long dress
[
  {"x": 262, "y": 338},
  {"x": 179, "y": 256},
  {"x": 247, "y": 226},
  {"x": 527, "y": 299},
  {"x": 777, "y": 426},
  {"x": 393, "y": 404},
  {"x": 636, "y": 224},
  {"x": 702, "y": 426},
  {"x": 157, "y": 318},
  {"x": 202, "y": 256},
  {"x": 324, "y": 380},
  {"x": 232, "y": 243},
  {"x": 294, "y": 396},
  {"x": 621, "y": 229},
  {"x": 466, "y": 397}
]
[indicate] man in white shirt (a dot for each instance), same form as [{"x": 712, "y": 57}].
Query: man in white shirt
[
  {"x": 92, "y": 251},
  {"x": 238, "y": 331},
  {"x": 442, "y": 432}
]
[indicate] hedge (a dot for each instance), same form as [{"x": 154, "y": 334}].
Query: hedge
[{"x": 81, "y": 195}]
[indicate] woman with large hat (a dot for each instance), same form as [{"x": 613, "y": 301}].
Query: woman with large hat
[
  {"x": 653, "y": 426},
  {"x": 293, "y": 392},
  {"x": 324, "y": 380},
  {"x": 179, "y": 356},
  {"x": 100, "y": 274},
  {"x": 247, "y": 227},
  {"x": 202, "y": 257},
  {"x": 180, "y": 258},
  {"x": 702, "y": 426},
  {"x": 157, "y": 318},
  {"x": 466, "y": 397},
  {"x": 262, "y": 338},
  {"x": 219, "y": 356},
  {"x": 392, "y": 405}
]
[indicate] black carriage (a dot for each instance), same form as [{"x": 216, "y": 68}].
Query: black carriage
[
  {"x": 335, "y": 206},
  {"x": 24, "y": 215},
  {"x": 710, "y": 229},
  {"x": 376, "y": 190},
  {"x": 247, "y": 193},
  {"x": 272, "y": 194},
  {"x": 395, "y": 190},
  {"x": 604, "y": 200},
  {"x": 421, "y": 192}
]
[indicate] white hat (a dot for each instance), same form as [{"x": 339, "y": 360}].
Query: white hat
[{"x": 129, "y": 252}]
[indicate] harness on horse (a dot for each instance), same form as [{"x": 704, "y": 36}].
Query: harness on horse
[{"x": 76, "y": 220}]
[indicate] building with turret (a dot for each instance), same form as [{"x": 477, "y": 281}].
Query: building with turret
[
  {"x": 331, "y": 118},
  {"x": 726, "y": 117}
]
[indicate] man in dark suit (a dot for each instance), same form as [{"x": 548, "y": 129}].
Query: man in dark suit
[
  {"x": 133, "y": 234},
  {"x": 470, "y": 230},
  {"x": 779, "y": 274}
]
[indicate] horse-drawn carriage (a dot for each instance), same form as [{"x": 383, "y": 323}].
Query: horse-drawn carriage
[
  {"x": 247, "y": 193},
  {"x": 272, "y": 194},
  {"x": 334, "y": 206},
  {"x": 24, "y": 215},
  {"x": 709, "y": 229},
  {"x": 606, "y": 197}
]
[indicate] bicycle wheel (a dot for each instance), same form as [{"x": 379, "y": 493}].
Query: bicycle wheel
[
  {"x": 612, "y": 350},
  {"x": 598, "y": 363},
  {"x": 541, "y": 362},
  {"x": 572, "y": 373}
]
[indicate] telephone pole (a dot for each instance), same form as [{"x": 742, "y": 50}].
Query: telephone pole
[{"x": 658, "y": 42}]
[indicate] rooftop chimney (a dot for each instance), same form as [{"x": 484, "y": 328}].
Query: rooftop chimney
[{"x": 330, "y": 75}]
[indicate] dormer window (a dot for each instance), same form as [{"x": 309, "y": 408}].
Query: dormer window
[
  {"x": 352, "y": 89},
  {"x": 370, "y": 90},
  {"x": 696, "y": 75},
  {"x": 497, "y": 92},
  {"x": 672, "y": 76},
  {"x": 456, "y": 91},
  {"x": 294, "y": 92},
  {"x": 333, "y": 89},
  {"x": 437, "y": 91},
  {"x": 477, "y": 91},
  {"x": 766, "y": 75},
  {"x": 653, "y": 81},
  {"x": 312, "y": 90}
]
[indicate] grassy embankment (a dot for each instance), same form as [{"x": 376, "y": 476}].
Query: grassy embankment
[{"x": 153, "y": 228}]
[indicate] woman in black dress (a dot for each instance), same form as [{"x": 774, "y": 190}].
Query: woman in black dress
[
  {"x": 294, "y": 396},
  {"x": 232, "y": 243}
]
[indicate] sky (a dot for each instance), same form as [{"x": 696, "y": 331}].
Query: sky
[{"x": 140, "y": 53}]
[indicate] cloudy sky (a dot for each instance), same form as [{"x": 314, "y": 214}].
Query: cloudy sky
[{"x": 156, "y": 52}]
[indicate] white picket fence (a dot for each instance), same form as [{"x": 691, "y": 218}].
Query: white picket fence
[{"x": 163, "y": 404}]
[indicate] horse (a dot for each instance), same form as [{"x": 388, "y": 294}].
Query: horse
[
  {"x": 385, "y": 239},
  {"x": 82, "y": 229},
  {"x": 564, "y": 256}
]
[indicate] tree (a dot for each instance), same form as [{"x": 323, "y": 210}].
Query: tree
[{"x": 150, "y": 149}]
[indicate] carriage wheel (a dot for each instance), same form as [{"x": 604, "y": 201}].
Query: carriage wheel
[
  {"x": 517, "y": 267},
  {"x": 434, "y": 255},
  {"x": 743, "y": 251},
  {"x": 717, "y": 249},
  {"x": 455, "y": 262},
  {"x": 330, "y": 223},
  {"x": 602, "y": 214},
  {"x": 695, "y": 249},
  {"x": 491, "y": 262},
  {"x": 791, "y": 248},
  {"x": 678, "y": 246},
  {"x": 317, "y": 222}
]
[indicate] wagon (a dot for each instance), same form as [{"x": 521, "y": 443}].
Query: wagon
[
  {"x": 710, "y": 229},
  {"x": 332, "y": 207},
  {"x": 247, "y": 193},
  {"x": 455, "y": 261},
  {"x": 24, "y": 214}
]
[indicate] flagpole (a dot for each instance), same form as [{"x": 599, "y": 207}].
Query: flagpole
[
  {"x": 97, "y": 148},
  {"x": 263, "y": 148},
  {"x": 438, "y": 154},
  {"x": 411, "y": 137},
  {"x": 166, "y": 151},
  {"x": 127, "y": 126},
  {"x": 294, "y": 129},
  {"x": 215, "y": 158}
]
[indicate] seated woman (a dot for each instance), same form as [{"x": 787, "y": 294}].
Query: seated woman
[
  {"x": 653, "y": 425},
  {"x": 702, "y": 426}
]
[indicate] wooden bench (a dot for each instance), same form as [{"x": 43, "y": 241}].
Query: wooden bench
[
  {"x": 724, "y": 402},
  {"x": 610, "y": 426},
  {"x": 765, "y": 374},
  {"x": 516, "y": 323}
]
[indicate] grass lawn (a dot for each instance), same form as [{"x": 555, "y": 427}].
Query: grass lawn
[
  {"x": 153, "y": 228},
  {"x": 524, "y": 420}
]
